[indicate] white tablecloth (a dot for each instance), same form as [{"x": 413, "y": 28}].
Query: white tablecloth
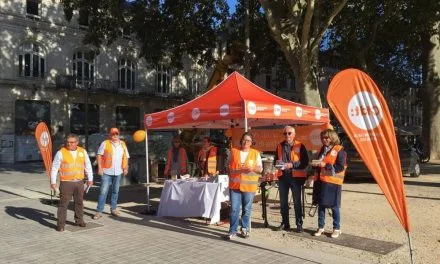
[{"x": 192, "y": 199}]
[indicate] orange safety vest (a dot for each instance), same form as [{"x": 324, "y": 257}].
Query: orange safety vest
[
  {"x": 72, "y": 169},
  {"x": 182, "y": 158},
  {"x": 211, "y": 162},
  {"x": 295, "y": 155},
  {"x": 326, "y": 175},
  {"x": 245, "y": 182},
  {"x": 108, "y": 153}
]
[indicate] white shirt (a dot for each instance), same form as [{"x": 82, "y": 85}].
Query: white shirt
[
  {"x": 243, "y": 156},
  {"x": 57, "y": 163},
  {"x": 116, "y": 168}
]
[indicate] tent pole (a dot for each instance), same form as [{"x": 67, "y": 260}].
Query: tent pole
[
  {"x": 245, "y": 125},
  {"x": 149, "y": 210},
  {"x": 410, "y": 248}
]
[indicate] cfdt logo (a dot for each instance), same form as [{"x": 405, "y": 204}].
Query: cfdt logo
[
  {"x": 170, "y": 117},
  {"x": 277, "y": 110},
  {"x": 315, "y": 137},
  {"x": 44, "y": 139},
  {"x": 195, "y": 114},
  {"x": 299, "y": 111},
  {"x": 364, "y": 111},
  {"x": 224, "y": 110},
  {"x": 149, "y": 120},
  {"x": 252, "y": 108}
]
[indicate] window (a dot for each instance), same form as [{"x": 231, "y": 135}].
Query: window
[
  {"x": 33, "y": 8},
  {"x": 83, "y": 67},
  {"x": 128, "y": 118},
  {"x": 31, "y": 62},
  {"x": 78, "y": 120},
  {"x": 28, "y": 113},
  {"x": 193, "y": 86},
  {"x": 83, "y": 19},
  {"x": 163, "y": 80},
  {"x": 127, "y": 74}
]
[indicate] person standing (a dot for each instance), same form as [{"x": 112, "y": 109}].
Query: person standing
[
  {"x": 177, "y": 160},
  {"x": 70, "y": 163},
  {"x": 329, "y": 177},
  {"x": 245, "y": 169},
  {"x": 207, "y": 159},
  {"x": 292, "y": 176},
  {"x": 112, "y": 160}
]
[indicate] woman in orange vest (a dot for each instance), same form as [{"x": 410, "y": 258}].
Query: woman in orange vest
[
  {"x": 177, "y": 160},
  {"x": 207, "y": 159},
  {"x": 245, "y": 168},
  {"x": 329, "y": 175}
]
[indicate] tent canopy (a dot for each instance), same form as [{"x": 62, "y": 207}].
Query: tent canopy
[{"x": 232, "y": 103}]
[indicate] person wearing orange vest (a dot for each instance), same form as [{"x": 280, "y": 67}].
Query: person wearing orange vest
[
  {"x": 291, "y": 176},
  {"x": 70, "y": 163},
  {"x": 177, "y": 160},
  {"x": 245, "y": 169},
  {"x": 112, "y": 157},
  {"x": 329, "y": 177},
  {"x": 207, "y": 159}
]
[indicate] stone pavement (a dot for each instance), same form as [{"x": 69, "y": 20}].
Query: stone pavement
[{"x": 28, "y": 231}]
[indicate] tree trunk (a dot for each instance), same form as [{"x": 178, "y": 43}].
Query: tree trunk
[{"x": 431, "y": 93}]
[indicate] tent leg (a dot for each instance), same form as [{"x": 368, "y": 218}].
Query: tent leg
[
  {"x": 410, "y": 249},
  {"x": 149, "y": 210}
]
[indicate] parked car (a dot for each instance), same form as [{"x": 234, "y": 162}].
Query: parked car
[{"x": 409, "y": 159}]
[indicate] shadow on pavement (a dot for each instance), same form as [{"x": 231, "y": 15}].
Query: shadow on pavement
[{"x": 39, "y": 216}]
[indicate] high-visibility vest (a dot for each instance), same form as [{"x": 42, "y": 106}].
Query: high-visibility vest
[
  {"x": 245, "y": 182},
  {"x": 326, "y": 175},
  {"x": 182, "y": 161},
  {"x": 295, "y": 156},
  {"x": 108, "y": 153},
  {"x": 209, "y": 159},
  {"x": 72, "y": 169}
]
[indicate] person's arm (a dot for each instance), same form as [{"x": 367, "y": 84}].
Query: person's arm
[
  {"x": 259, "y": 166},
  {"x": 125, "y": 170},
  {"x": 88, "y": 168},
  {"x": 99, "y": 158},
  {"x": 339, "y": 164},
  {"x": 54, "y": 170}
]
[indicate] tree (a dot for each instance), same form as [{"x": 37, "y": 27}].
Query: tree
[
  {"x": 299, "y": 27},
  {"x": 165, "y": 28}
]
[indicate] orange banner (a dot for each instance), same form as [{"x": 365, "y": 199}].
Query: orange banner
[
  {"x": 363, "y": 113},
  {"x": 268, "y": 139},
  {"x": 42, "y": 135}
]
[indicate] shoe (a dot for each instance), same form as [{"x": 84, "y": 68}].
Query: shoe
[
  {"x": 81, "y": 224},
  {"x": 319, "y": 232},
  {"x": 230, "y": 237},
  {"x": 97, "y": 216},
  {"x": 244, "y": 233},
  {"x": 60, "y": 229},
  {"x": 115, "y": 212},
  {"x": 282, "y": 227},
  {"x": 336, "y": 233},
  {"x": 299, "y": 229}
]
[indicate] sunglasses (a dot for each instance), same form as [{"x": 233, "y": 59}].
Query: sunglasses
[
  {"x": 324, "y": 137},
  {"x": 287, "y": 133}
]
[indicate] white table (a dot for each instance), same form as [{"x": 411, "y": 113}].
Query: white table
[{"x": 192, "y": 199}]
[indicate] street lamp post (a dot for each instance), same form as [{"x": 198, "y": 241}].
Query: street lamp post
[{"x": 86, "y": 116}]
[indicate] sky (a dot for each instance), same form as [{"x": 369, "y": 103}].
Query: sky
[{"x": 231, "y": 4}]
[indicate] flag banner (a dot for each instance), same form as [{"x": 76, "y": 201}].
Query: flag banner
[
  {"x": 42, "y": 135},
  {"x": 361, "y": 109}
]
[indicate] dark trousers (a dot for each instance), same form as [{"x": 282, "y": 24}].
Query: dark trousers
[
  {"x": 285, "y": 184},
  {"x": 67, "y": 190}
]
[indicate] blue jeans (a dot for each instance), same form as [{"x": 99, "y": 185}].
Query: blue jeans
[
  {"x": 285, "y": 184},
  {"x": 245, "y": 199},
  {"x": 336, "y": 217},
  {"x": 108, "y": 180}
]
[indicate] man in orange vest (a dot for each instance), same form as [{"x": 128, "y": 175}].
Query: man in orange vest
[
  {"x": 292, "y": 159},
  {"x": 112, "y": 157},
  {"x": 70, "y": 162},
  {"x": 207, "y": 159},
  {"x": 177, "y": 160}
]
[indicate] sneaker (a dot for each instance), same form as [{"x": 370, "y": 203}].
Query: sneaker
[
  {"x": 336, "y": 233},
  {"x": 244, "y": 233},
  {"x": 230, "y": 237},
  {"x": 319, "y": 232}
]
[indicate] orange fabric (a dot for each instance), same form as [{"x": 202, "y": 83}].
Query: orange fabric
[
  {"x": 72, "y": 169},
  {"x": 361, "y": 109},
  {"x": 44, "y": 141},
  {"x": 245, "y": 182},
  {"x": 108, "y": 153},
  {"x": 326, "y": 175},
  {"x": 234, "y": 99},
  {"x": 183, "y": 161},
  {"x": 295, "y": 155},
  {"x": 209, "y": 159}
]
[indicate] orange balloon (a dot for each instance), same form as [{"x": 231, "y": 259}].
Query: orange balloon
[{"x": 139, "y": 136}]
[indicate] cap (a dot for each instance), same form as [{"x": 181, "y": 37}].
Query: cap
[{"x": 114, "y": 131}]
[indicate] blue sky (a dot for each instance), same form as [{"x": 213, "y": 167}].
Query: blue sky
[{"x": 231, "y": 4}]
